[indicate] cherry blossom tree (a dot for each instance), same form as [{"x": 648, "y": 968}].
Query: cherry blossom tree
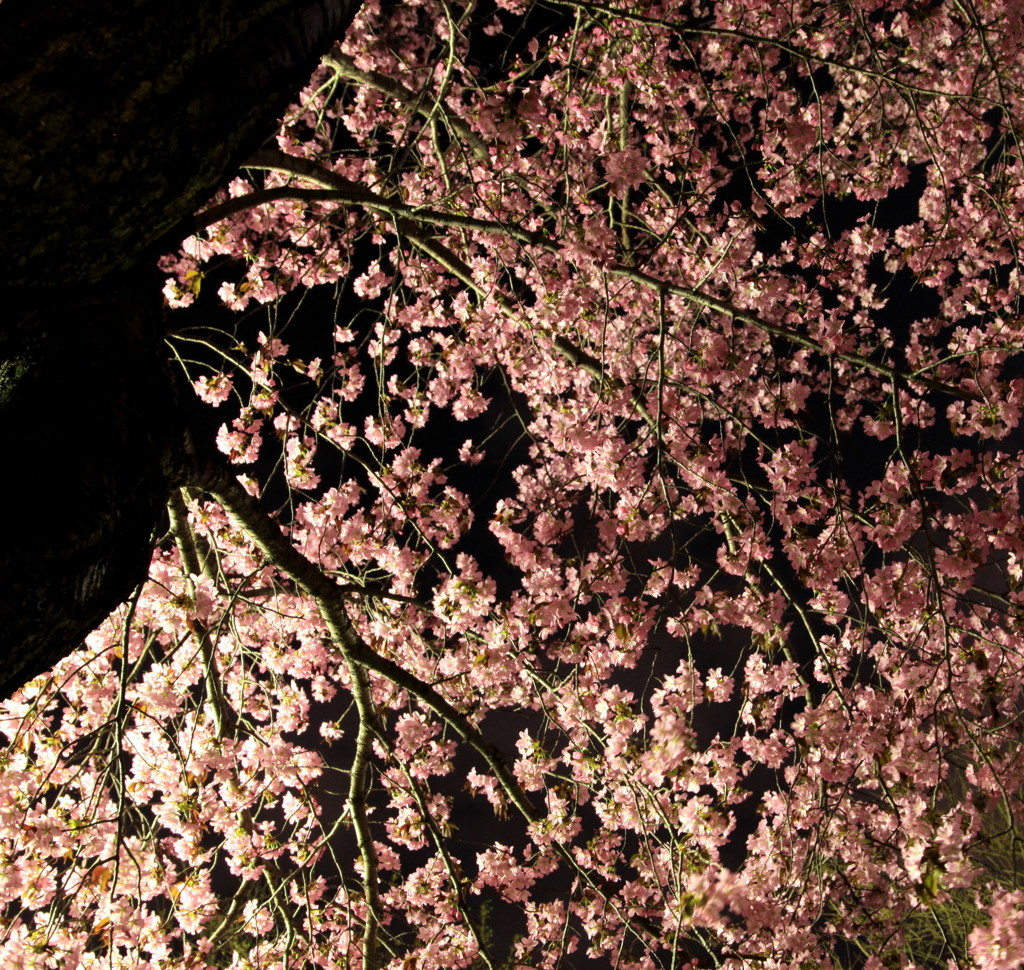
[{"x": 624, "y": 567}]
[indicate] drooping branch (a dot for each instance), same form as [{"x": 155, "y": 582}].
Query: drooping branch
[
  {"x": 331, "y": 604},
  {"x": 330, "y": 601},
  {"x": 704, "y": 29},
  {"x": 451, "y": 865},
  {"x": 190, "y": 560},
  {"x": 346, "y": 68},
  {"x": 357, "y": 801},
  {"x": 699, "y": 298}
]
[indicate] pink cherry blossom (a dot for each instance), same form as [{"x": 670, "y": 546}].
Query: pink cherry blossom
[{"x": 628, "y": 569}]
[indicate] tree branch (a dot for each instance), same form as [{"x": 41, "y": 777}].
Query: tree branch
[
  {"x": 345, "y": 67},
  {"x": 331, "y": 604},
  {"x": 352, "y": 192},
  {"x": 357, "y": 804},
  {"x": 186, "y": 542}
]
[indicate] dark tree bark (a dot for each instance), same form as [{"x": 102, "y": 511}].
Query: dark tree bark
[
  {"x": 91, "y": 441},
  {"x": 118, "y": 119}
]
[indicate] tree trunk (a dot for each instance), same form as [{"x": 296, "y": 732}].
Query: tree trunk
[
  {"x": 118, "y": 119},
  {"x": 90, "y": 440}
]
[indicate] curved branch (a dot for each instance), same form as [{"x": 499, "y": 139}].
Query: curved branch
[
  {"x": 330, "y": 601},
  {"x": 345, "y": 190}
]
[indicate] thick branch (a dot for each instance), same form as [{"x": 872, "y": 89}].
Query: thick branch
[
  {"x": 354, "y": 192},
  {"x": 331, "y": 602}
]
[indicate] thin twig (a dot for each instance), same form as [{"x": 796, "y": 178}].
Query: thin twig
[{"x": 346, "y": 68}]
